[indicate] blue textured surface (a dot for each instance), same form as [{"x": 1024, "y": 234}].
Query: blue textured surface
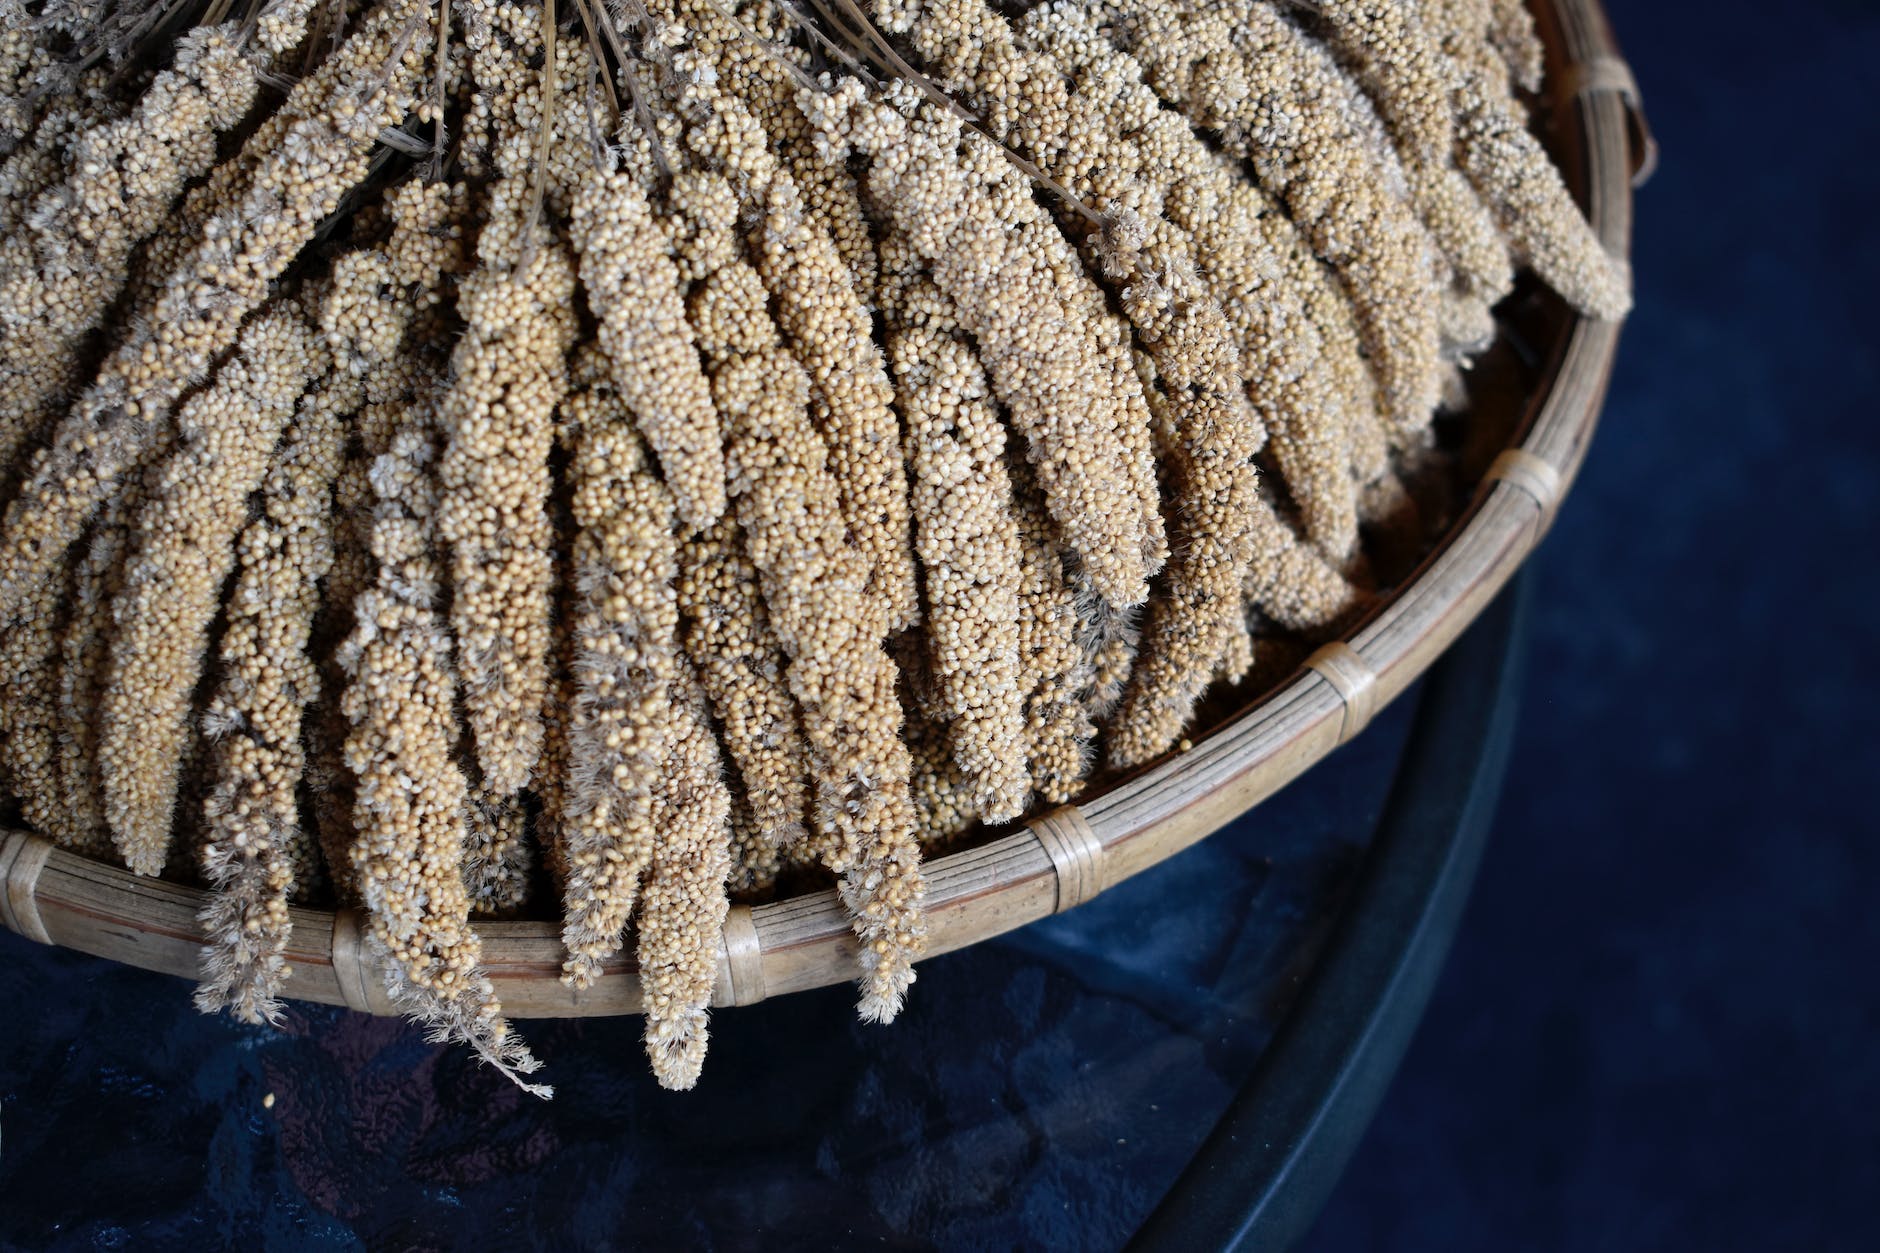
[
  {"x": 1042, "y": 1089},
  {"x": 1660, "y": 1025}
]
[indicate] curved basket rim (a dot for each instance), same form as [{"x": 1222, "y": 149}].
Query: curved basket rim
[{"x": 1063, "y": 857}]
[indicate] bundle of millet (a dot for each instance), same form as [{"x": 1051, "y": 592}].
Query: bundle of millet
[
  {"x": 966, "y": 535},
  {"x": 258, "y": 852},
  {"x": 657, "y": 450}
]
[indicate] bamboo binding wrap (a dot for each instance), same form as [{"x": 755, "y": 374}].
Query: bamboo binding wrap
[{"x": 1062, "y": 858}]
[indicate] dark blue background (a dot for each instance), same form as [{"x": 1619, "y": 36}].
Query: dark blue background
[
  {"x": 1657, "y": 1029},
  {"x": 1660, "y": 1025}
]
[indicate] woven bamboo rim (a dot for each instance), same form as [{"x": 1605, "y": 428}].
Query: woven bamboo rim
[{"x": 1062, "y": 858}]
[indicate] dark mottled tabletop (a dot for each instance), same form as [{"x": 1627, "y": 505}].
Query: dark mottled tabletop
[{"x": 1043, "y": 1089}]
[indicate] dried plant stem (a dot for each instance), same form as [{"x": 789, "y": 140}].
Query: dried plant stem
[
  {"x": 825, "y": 327},
  {"x": 256, "y": 854},
  {"x": 1058, "y": 723},
  {"x": 1209, "y": 443},
  {"x": 1399, "y": 60},
  {"x": 181, "y": 550},
  {"x": 684, "y": 906},
  {"x": 1274, "y": 96},
  {"x": 625, "y": 662},
  {"x": 633, "y": 288},
  {"x": 380, "y": 322},
  {"x": 816, "y": 591},
  {"x": 1044, "y": 369},
  {"x": 198, "y": 316},
  {"x": 85, "y": 657},
  {"x": 742, "y": 667},
  {"x": 965, "y": 534},
  {"x": 410, "y": 794},
  {"x": 71, "y": 256},
  {"x": 509, "y": 374},
  {"x": 1511, "y": 170},
  {"x": 1514, "y": 36}
]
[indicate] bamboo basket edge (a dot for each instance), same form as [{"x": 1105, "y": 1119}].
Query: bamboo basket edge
[{"x": 1058, "y": 859}]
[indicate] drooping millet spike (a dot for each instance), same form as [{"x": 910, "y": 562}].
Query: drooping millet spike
[{"x": 704, "y": 446}]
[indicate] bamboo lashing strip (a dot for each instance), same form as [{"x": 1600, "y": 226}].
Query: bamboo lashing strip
[
  {"x": 743, "y": 957},
  {"x": 1075, "y": 852},
  {"x": 22, "y": 857},
  {"x": 1520, "y": 468},
  {"x": 1605, "y": 72},
  {"x": 1339, "y": 664},
  {"x": 1601, "y": 72},
  {"x": 361, "y": 977}
]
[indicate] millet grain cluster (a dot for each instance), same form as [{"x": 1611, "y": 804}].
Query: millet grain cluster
[{"x": 612, "y": 458}]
